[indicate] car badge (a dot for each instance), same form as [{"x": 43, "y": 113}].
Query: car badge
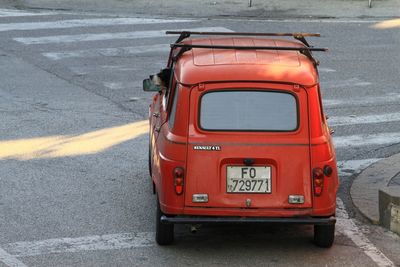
[{"x": 207, "y": 148}]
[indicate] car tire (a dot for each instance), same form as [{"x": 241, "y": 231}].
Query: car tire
[
  {"x": 324, "y": 235},
  {"x": 164, "y": 232},
  {"x": 149, "y": 159}
]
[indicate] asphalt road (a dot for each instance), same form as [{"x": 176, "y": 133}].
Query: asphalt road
[{"x": 74, "y": 187}]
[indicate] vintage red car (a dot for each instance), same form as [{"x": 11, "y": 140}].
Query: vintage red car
[{"x": 238, "y": 134}]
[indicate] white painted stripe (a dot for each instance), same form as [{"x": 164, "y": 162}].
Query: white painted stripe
[
  {"x": 64, "y": 24},
  {"x": 109, "y": 52},
  {"x": 350, "y": 167},
  {"x": 354, "y": 119},
  {"x": 366, "y": 140},
  {"x": 19, "y": 13},
  {"x": 360, "y": 101},
  {"x": 106, "y": 36},
  {"x": 347, "y": 226},
  {"x": 344, "y": 225},
  {"x": 84, "y": 70},
  {"x": 301, "y": 20},
  {"x": 87, "y": 243},
  {"x": 122, "y": 85},
  {"x": 349, "y": 83},
  {"x": 326, "y": 70},
  {"x": 10, "y": 260}
]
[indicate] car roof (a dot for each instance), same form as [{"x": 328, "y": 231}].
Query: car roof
[{"x": 201, "y": 65}]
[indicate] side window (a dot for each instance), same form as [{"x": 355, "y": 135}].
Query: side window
[
  {"x": 169, "y": 81},
  {"x": 172, "y": 114},
  {"x": 320, "y": 105}
]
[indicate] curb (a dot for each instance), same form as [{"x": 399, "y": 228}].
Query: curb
[
  {"x": 389, "y": 208},
  {"x": 371, "y": 194}
]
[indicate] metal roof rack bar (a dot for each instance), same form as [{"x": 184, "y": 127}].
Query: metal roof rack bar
[
  {"x": 306, "y": 50},
  {"x": 246, "y": 33},
  {"x": 297, "y": 35},
  {"x": 285, "y": 48}
]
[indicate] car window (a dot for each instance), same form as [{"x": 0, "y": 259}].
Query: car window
[
  {"x": 167, "y": 91},
  {"x": 171, "y": 120},
  {"x": 247, "y": 110}
]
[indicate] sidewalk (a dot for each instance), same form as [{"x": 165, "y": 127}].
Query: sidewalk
[
  {"x": 260, "y": 9},
  {"x": 395, "y": 180},
  {"x": 376, "y": 193}
]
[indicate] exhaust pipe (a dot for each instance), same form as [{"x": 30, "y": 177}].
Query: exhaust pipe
[{"x": 194, "y": 228}]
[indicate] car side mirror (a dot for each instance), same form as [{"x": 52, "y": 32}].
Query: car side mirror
[{"x": 149, "y": 86}]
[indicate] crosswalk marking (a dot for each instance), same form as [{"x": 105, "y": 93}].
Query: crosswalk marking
[
  {"x": 366, "y": 140},
  {"x": 364, "y": 119},
  {"x": 77, "y": 244},
  {"x": 10, "y": 260},
  {"x": 105, "y": 36},
  {"x": 84, "y": 70},
  {"x": 117, "y": 51},
  {"x": 64, "y": 24},
  {"x": 322, "y": 69},
  {"x": 19, "y": 13},
  {"x": 350, "y": 83},
  {"x": 360, "y": 101},
  {"x": 122, "y": 85}
]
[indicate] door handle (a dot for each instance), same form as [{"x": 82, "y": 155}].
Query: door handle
[{"x": 156, "y": 114}]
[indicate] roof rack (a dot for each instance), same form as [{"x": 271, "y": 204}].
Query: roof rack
[
  {"x": 287, "y": 48},
  {"x": 303, "y": 50},
  {"x": 297, "y": 35},
  {"x": 306, "y": 50}
]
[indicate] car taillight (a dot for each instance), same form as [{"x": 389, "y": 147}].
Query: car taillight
[
  {"x": 318, "y": 178},
  {"x": 179, "y": 174}
]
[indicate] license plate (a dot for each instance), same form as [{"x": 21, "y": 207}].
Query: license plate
[{"x": 247, "y": 179}]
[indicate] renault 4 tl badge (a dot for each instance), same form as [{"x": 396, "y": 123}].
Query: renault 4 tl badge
[{"x": 207, "y": 148}]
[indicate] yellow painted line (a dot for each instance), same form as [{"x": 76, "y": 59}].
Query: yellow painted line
[
  {"x": 67, "y": 145},
  {"x": 387, "y": 24}
]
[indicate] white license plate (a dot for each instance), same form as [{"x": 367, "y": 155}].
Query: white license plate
[{"x": 248, "y": 179}]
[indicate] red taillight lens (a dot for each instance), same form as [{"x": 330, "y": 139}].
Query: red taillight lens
[
  {"x": 318, "y": 178},
  {"x": 178, "y": 180}
]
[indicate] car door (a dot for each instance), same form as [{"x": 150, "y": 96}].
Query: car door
[{"x": 249, "y": 147}]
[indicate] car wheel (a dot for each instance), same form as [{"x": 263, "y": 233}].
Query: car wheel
[
  {"x": 324, "y": 235},
  {"x": 164, "y": 232}
]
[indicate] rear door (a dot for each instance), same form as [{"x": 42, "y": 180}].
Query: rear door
[{"x": 249, "y": 147}]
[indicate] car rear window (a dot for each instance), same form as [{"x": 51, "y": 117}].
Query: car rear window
[{"x": 248, "y": 110}]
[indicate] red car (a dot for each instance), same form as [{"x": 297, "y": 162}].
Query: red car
[{"x": 238, "y": 134}]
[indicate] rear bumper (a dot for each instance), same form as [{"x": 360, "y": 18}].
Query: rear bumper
[{"x": 205, "y": 219}]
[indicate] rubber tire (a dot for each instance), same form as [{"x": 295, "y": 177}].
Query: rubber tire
[
  {"x": 164, "y": 232},
  {"x": 324, "y": 235},
  {"x": 149, "y": 159}
]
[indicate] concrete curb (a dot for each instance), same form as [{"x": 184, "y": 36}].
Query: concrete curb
[
  {"x": 371, "y": 187},
  {"x": 389, "y": 208}
]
